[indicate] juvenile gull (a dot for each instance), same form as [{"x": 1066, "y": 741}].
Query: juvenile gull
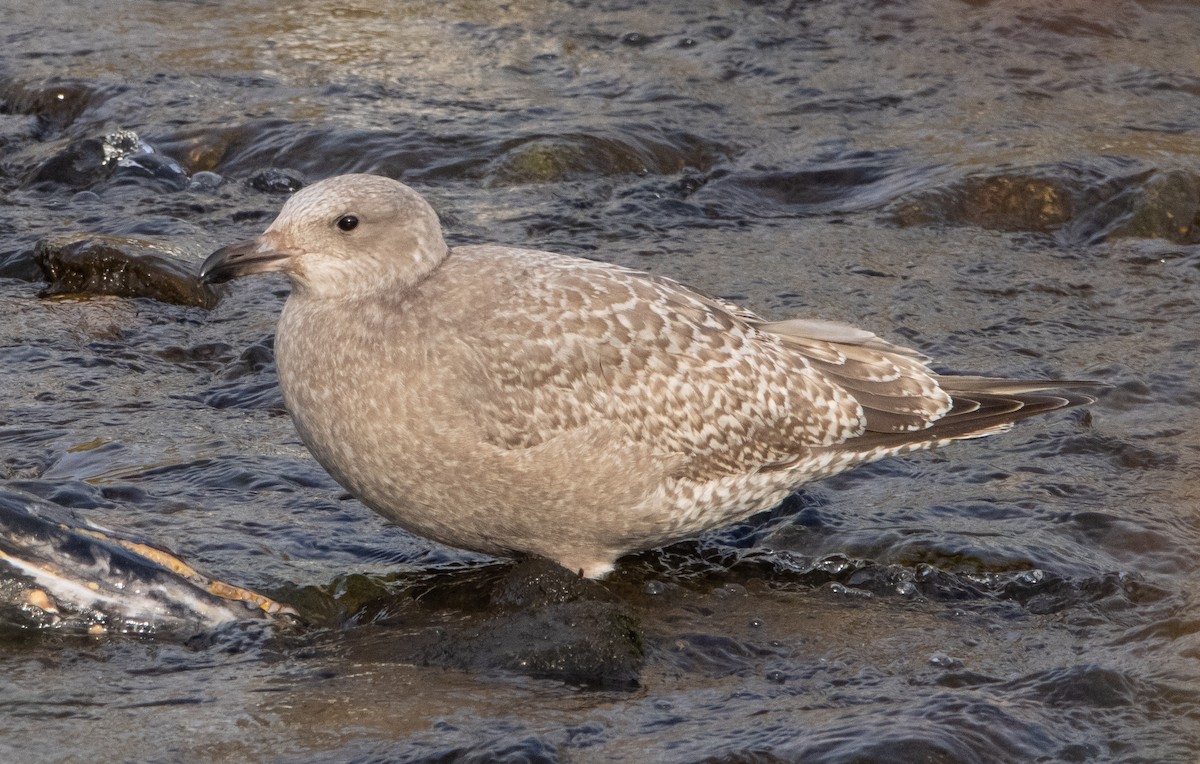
[{"x": 508, "y": 400}]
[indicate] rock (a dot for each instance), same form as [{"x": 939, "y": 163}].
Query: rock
[
  {"x": 83, "y": 163},
  {"x": 56, "y": 104},
  {"x": 205, "y": 182},
  {"x": 589, "y": 644},
  {"x": 997, "y": 202},
  {"x": 552, "y": 159},
  {"x": 78, "y": 165},
  {"x": 549, "y": 161},
  {"x": 546, "y": 622},
  {"x": 206, "y": 149},
  {"x": 272, "y": 181},
  {"x": 125, "y": 267},
  {"x": 161, "y": 170},
  {"x": 533, "y": 618},
  {"x": 1166, "y": 207},
  {"x": 534, "y": 582}
]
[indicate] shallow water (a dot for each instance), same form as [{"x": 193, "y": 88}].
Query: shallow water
[{"x": 1010, "y": 188}]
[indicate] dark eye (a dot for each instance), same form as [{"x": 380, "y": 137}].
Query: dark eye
[{"x": 347, "y": 222}]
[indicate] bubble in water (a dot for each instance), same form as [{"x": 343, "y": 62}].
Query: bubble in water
[
  {"x": 730, "y": 590},
  {"x": 944, "y": 661},
  {"x": 848, "y": 591},
  {"x": 835, "y": 565}
]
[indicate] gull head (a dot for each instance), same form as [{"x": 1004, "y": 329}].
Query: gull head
[{"x": 342, "y": 237}]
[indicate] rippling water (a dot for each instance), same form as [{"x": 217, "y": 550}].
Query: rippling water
[{"x": 1012, "y": 187}]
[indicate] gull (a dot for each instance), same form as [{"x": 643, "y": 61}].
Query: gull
[{"x": 512, "y": 401}]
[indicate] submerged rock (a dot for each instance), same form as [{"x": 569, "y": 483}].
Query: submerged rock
[
  {"x": 586, "y": 643},
  {"x": 56, "y": 103},
  {"x": 996, "y": 202},
  {"x": 85, "y": 162},
  {"x": 549, "y": 623},
  {"x": 1166, "y": 206},
  {"x": 95, "y": 264},
  {"x": 145, "y": 166},
  {"x": 552, "y": 159},
  {"x": 534, "y": 618},
  {"x": 1080, "y": 206}
]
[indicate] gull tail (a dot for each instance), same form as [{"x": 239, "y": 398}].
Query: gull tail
[{"x": 980, "y": 406}]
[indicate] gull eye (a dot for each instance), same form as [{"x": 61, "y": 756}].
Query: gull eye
[{"x": 347, "y": 222}]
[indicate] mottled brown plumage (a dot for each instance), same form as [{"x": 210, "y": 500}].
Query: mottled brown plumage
[{"x": 507, "y": 400}]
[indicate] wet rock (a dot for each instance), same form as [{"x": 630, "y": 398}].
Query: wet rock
[
  {"x": 204, "y": 150},
  {"x": 588, "y": 644},
  {"x": 83, "y": 163},
  {"x": 535, "y": 582},
  {"x": 161, "y": 170},
  {"x": 95, "y": 264},
  {"x": 205, "y": 182},
  {"x": 549, "y": 623},
  {"x": 1079, "y": 205},
  {"x": 997, "y": 202},
  {"x": 79, "y": 164},
  {"x": 272, "y": 181},
  {"x": 1166, "y": 206},
  {"x": 56, "y": 104},
  {"x": 551, "y": 159},
  {"x": 533, "y": 618}
]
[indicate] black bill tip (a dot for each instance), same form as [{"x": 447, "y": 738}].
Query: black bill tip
[{"x": 241, "y": 259}]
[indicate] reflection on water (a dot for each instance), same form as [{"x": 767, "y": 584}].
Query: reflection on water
[{"x": 1009, "y": 187}]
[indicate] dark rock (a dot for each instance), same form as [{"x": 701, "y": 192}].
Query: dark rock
[
  {"x": 544, "y": 621},
  {"x": 78, "y": 165},
  {"x": 1167, "y": 206},
  {"x": 590, "y": 644},
  {"x": 200, "y": 151},
  {"x": 161, "y": 169},
  {"x": 534, "y": 618},
  {"x": 85, "y": 162},
  {"x": 536, "y": 582},
  {"x": 272, "y": 181},
  {"x": 95, "y": 264},
  {"x": 205, "y": 182},
  {"x": 56, "y": 104}
]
